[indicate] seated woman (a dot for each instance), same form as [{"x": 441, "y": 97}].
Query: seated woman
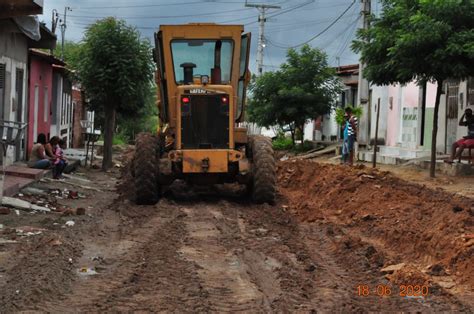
[
  {"x": 38, "y": 158},
  {"x": 51, "y": 146}
]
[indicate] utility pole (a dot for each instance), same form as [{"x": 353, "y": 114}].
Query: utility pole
[
  {"x": 54, "y": 24},
  {"x": 363, "y": 86},
  {"x": 261, "y": 28},
  {"x": 63, "y": 31},
  {"x": 54, "y": 21}
]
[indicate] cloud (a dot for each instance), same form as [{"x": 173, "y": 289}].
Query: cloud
[{"x": 288, "y": 27}]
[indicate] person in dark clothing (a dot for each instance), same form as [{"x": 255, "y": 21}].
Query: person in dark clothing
[{"x": 458, "y": 147}]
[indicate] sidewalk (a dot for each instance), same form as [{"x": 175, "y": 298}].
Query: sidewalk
[{"x": 18, "y": 176}]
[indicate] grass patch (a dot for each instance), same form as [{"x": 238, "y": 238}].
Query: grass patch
[{"x": 282, "y": 143}]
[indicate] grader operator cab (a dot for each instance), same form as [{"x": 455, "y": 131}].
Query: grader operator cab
[{"x": 202, "y": 75}]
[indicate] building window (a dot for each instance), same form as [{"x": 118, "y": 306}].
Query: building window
[
  {"x": 2, "y": 89},
  {"x": 19, "y": 94},
  {"x": 470, "y": 92},
  {"x": 453, "y": 98}
]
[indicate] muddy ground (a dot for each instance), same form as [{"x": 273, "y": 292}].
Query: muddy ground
[{"x": 329, "y": 235}]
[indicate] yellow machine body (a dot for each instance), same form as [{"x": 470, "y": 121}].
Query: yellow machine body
[{"x": 202, "y": 74}]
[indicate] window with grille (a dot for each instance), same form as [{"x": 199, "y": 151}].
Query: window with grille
[
  {"x": 453, "y": 98},
  {"x": 2, "y": 89},
  {"x": 470, "y": 92}
]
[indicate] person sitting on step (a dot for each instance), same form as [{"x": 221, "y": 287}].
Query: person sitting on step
[{"x": 458, "y": 147}]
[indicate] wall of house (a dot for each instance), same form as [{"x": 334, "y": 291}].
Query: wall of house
[
  {"x": 79, "y": 113},
  {"x": 14, "y": 58},
  {"x": 62, "y": 107},
  {"x": 393, "y": 114},
  {"x": 40, "y": 100},
  {"x": 66, "y": 112},
  {"x": 330, "y": 129},
  {"x": 379, "y": 92}
]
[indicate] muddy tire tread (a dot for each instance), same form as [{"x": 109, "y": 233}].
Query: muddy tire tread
[
  {"x": 263, "y": 187},
  {"x": 147, "y": 190}
]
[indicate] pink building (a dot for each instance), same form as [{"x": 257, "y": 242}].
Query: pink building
[{"x": 40, "y": 95}]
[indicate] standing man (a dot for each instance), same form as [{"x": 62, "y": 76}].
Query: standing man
[
  {"x": 458, "y": 147},
  {"x": 350, "y": 136}
]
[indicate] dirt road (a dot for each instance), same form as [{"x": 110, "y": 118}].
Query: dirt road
[{"x": 208, "y": 250}]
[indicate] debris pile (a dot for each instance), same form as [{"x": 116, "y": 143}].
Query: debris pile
[
  {"x": 38, "y": 200},
  {"x": 415, "y": 224}
]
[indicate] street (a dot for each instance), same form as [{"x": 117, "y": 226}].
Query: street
[{"x": 210, "y": 249}]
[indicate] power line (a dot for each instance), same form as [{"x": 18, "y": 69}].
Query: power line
[
  {"x": 347, "y": 39},
  {"x": 240, "y": 19},
  {"x": 282, "y": 28},
  {"x": 153, "y": 5},
  {"x": 161, "y": 17},
  {"x": 285, "y": 10},
  {"x": 321, "y": 32},
  {"x": 261, "y": 27}
]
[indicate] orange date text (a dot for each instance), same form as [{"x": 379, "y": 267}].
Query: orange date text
[{"x": 388, "y": 290}]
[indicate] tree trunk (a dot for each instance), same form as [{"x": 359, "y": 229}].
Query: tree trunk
[
  {"x": 439, "y": 89},
  {"x": 293, "y": 139},
  {"x": 302, "y": 133},
  {"x": 108, "y": 136}
]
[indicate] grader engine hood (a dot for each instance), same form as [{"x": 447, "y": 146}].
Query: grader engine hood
[{"x": 205, "y": 118}]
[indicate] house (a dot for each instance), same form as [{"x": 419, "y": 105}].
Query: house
[
  {"x": 325, "y": 128},
  {"x": 62, "y": 106},
  {"x": 18, "y": 33},
  {"x": 40, "y": 94},
  {"x": 406, "y": 118},
  {"x": 79, "y": 114},
  {"x": 13, "y": 8}
]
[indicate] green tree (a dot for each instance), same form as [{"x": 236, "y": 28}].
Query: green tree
[
  {"x": 422, "y": 40},
  {"x": 302, "y": 89},
  {"x": 72, "y": 53},
  {"x": 145, "y": 118},
  {"x": 116, "y": 70}
]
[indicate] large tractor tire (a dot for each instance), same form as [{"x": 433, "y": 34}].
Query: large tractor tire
[
  {"x": 145, "y": 169},
  {"x": 263, "y": 184}
]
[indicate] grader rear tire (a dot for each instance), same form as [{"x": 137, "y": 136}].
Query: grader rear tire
[
  {"x": 263, "y": 186},
  {"x": 145, "y": 169}
]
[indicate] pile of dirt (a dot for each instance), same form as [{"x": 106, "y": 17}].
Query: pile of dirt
[
  {"x": 125, "y": 184},
  {"x": 410, "y": 223},
  {"x": 40, "y": 269}
]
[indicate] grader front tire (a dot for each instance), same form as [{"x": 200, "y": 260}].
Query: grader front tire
[
  {"x": 263, "y": 186},
  {"x": 145, "y": 164}
]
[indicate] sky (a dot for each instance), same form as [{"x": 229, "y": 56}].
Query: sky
[{"x": 295, "y": 23}]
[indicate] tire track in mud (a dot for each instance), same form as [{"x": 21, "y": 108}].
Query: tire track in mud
[
  {"x": 227, "y": 256},
  {"x": 145, "y": 271}
]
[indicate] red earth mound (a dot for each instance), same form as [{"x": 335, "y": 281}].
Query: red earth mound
[{"x": 410, "y": 223}]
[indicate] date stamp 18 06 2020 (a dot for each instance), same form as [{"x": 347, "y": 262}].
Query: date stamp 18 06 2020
[{"x": 386, "y": 290}]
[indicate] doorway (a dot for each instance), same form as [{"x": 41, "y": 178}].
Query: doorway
[
  {"x": 20, "y": 146},
  {"x": 452, "y": 103}
]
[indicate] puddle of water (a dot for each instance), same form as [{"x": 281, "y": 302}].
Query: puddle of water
[{"x": 87, "y": 271}]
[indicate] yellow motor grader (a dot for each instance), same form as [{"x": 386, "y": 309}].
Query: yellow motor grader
[{"x": 202, "y": 75}]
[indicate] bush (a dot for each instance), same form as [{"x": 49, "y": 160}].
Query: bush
[
  {"x": 119, "y": 139},
  {"x": 282, "y": 143},
  {"x": 339, "y": 116}
]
